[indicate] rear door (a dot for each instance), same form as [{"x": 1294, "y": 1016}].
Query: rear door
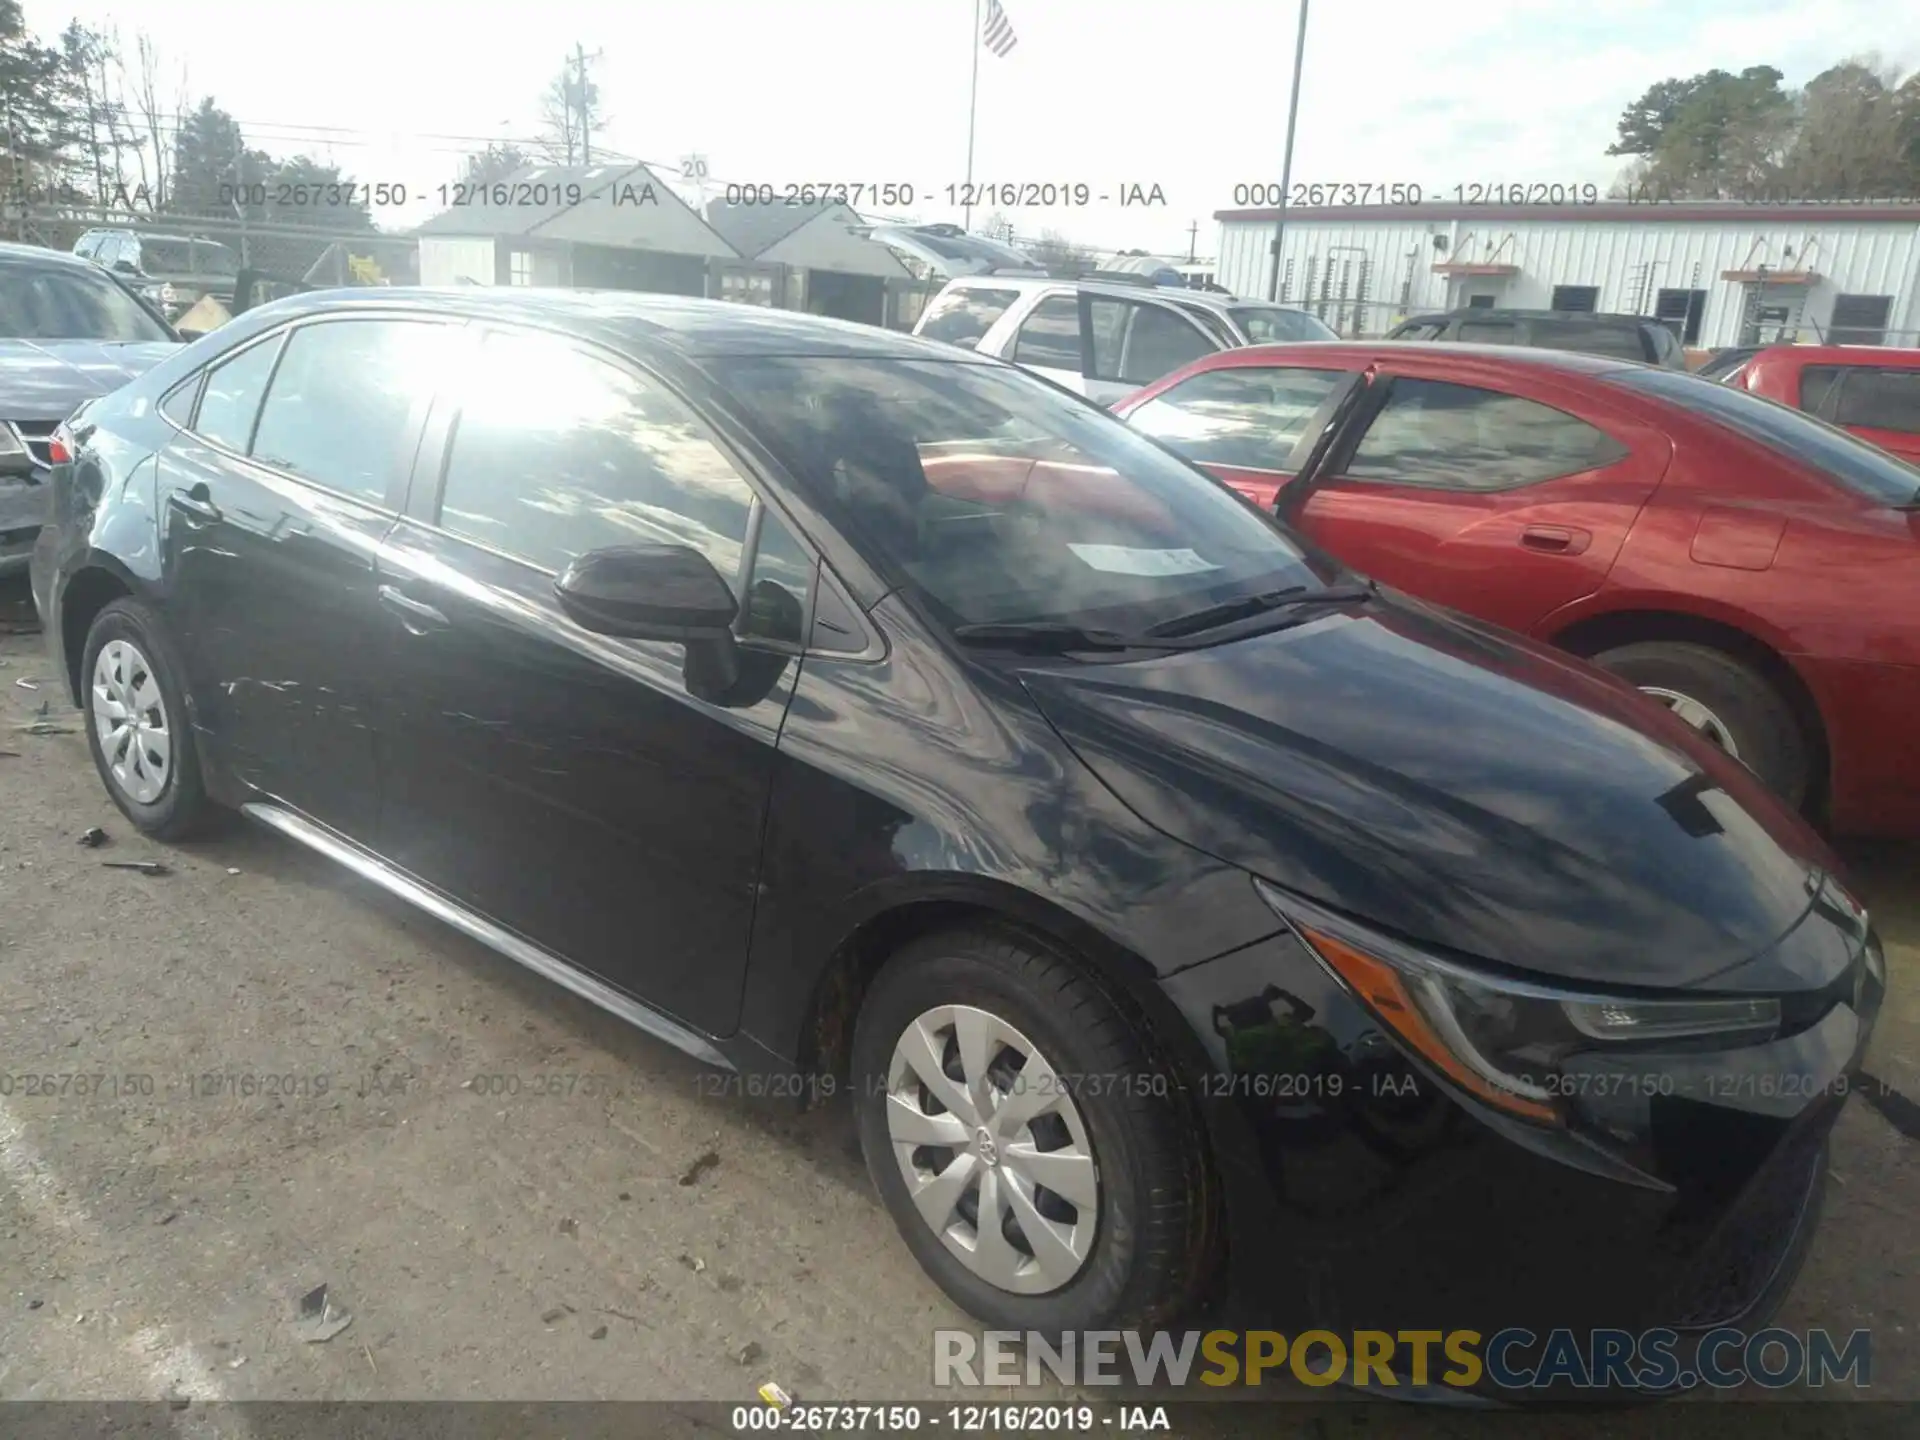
[
  {"x": 589, "y": 793},
  {"x": 1049, "y": 339},
  {"x": 1246, "y": 424},
  {"x": 1878, "y": 403},
  {"x": 1136, "y": 342},
  {"x": 274, "y": 499},
  {"x": 1505, "y": 505}
]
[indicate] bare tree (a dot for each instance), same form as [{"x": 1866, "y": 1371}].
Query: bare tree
[
  {"x": 1062, "y": 256},
  {"x": 145, "y": 113}
]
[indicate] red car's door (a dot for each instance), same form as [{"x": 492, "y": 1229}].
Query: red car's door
[{"x": 1506, "y": 498}]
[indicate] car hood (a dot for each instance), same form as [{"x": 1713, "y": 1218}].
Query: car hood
[
  {"x": 1461, "y": 788},
  {"x": 48, "y": 379}
]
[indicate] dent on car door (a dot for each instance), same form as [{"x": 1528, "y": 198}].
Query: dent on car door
[
  {"x": 274, "y": 500},
  {"x": 591, "y": 793},
  {"x": 1496, "y": 504}
]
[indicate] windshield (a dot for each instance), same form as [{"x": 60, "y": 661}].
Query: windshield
[
  {"x": 187, "y": 257},
  {"x": 71, "y": 302},
  {"x": 995, "y": 497},
  {"x": 1270, "y": 324},
  {"x": 1862, "y": 468}
]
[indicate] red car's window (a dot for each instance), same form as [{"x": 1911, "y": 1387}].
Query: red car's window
[
  {"x": 1461, "y": 437},
  {"x": 1881, "y": 400},
  {"x": 1816, "y": 384},
  {"x": 1246, "y": 417}
]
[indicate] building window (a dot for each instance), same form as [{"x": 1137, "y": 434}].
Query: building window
[
  {"x": 1480, "y": 302},
  {"x": 1576, "y": 299},
  {"x": 1681, "y": 312},
  {"x": 520, "y": 268},
  {"x": 746, "y": 288},
  {"x": 1860, "y": 319}
]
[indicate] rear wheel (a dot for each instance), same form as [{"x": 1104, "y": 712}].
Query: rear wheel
[
  {"x": 1726, "y": 702},
  {"x": 137, "y": 727},
  {"x": 1040, "y": 1164}
]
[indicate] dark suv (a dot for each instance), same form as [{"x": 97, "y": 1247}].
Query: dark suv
[
  {"x": 170, "y": 271},
  {"x": 1619, "y": 337}
]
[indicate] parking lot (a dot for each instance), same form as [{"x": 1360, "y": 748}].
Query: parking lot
[{"x": 291, "y": 1080}]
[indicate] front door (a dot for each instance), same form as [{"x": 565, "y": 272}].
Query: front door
[
  {"x": 273, "y": 502},
  {"x": 1505, "y": 507},
  {"x": 583, "y": 791}
]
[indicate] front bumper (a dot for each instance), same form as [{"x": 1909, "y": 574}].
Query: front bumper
[{"x": 1361, "y": 1195}]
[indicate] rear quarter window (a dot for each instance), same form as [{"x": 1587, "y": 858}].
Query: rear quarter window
[{"x": 962, "y": 315}]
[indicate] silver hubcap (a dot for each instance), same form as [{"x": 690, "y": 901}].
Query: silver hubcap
[
  {"x": 131, "y": 721},
  {"x": 993, "y": 1150},
  {"x": 1696, "y": 716}
]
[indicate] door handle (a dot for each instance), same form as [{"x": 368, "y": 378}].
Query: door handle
[
  {"x": 418, "y": 616},
  {"x": 1555, "y": 539},
  {"x": 196, "y": 501}
]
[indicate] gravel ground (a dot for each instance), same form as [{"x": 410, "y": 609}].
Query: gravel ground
[{"x": 512, "y": 1195}]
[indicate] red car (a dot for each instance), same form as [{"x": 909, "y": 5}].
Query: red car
[
  {"x": 1756, "y": 570},
  {"x": 1870, "y": 390}
]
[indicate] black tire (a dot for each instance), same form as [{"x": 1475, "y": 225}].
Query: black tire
[
  {"x": 182, "y": 807},
  {"x": 1150, "y": 1254},
  {"x": 1757, "y": 717}
]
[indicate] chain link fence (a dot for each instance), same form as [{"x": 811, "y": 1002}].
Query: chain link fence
[{"x": 294, "y": 253}]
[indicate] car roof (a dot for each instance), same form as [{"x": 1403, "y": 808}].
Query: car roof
[
  {"x": 1483, "y": 312},
  {"x": 9, "y": 251},
  {"x": 623, "y": 318},
  {"x": 1178, "y": 293},
  {"x": 1482, "y": 357},
  {"x": 1880, "y": 356}
]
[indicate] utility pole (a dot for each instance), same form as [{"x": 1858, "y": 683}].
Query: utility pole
[
  {"x": 580, "y": 105},
  {"x": 1286, "y": 165},
  {"x": 1193, "y": 243}
]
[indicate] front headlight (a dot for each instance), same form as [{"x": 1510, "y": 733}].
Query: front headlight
[{"x": 1503, "y": 1041}]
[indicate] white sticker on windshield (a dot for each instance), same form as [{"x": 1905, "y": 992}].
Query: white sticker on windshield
[{"x": 1125, "y": 560}]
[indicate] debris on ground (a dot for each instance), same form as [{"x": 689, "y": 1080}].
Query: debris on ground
[
  {"x": 624, "y": 1194},
  {"x": 10, "y": 754},
  {"x": 570, "y": 1226},
  {"x": 775, "y": 1396},
  {"x": 168, "y": 1218},
  {"x": 693, "y": 1263},
  {"x": 706, "y": 1161},
  {"x": 93, "y": 838},
  {"x": 748, "y": 1353},
  {"x": 35, "y": 1304},
  {"x": 233, "y": 869},
  {"x": 553, "y": 1316},
  {"x": 44, "y": 727},
  {"x": 236, "y": 1362},
  {"x": 145, "y": 867},
  {"x": 599, "y": 1332},
  {"x": 26, "y": 684},
  {"x": 320, "y": 1319}
]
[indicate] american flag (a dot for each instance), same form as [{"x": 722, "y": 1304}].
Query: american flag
[{"x": 997, "y": 32}]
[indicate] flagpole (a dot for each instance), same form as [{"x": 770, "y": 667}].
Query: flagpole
[{"x": 973, "y": 103}]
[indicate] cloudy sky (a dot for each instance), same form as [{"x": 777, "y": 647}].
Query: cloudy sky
[{"x": 1189, "y": 96}]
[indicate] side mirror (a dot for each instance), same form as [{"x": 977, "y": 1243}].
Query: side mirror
[
  {"x": 649, "y": 592},
  {"x": 126, "y": 267}
]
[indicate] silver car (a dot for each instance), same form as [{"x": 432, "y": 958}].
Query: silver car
[{"x": 1103, "y": 338}]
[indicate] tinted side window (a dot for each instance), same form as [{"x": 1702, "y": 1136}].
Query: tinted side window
[
  {"x": 1609, "y": 340},
  {"x": 962, "y": 315},
  {"x": 1244, "y": 417},
  {"x": 1428, "y": 330},
  {"x": 558, "y": 452},
  {"x": 1816, "y": 387},
  {"x": 782, "y": 578},
  {"x": 1458, "y": 437},
  {"x": 343, "y": 401},
  {"x": 1158, "y": 343},
  {"x": 1881, "y": 400},
  {"x": 233, "y": 394},
  {"x": 1487, "y": 332},
  {"x": 1050, "y": 336}
]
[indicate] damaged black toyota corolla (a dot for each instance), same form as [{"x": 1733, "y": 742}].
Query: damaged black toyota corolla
[{"x": 1194, "y": 925}]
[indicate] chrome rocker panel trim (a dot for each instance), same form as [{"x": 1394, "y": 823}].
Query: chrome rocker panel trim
[{"x": 524, "y": 952}]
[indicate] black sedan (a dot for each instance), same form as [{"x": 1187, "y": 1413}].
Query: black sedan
[{"x": 1190, "y": 921}]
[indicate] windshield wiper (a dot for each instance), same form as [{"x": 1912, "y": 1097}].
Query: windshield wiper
[{"x": 1293, "y": 597}]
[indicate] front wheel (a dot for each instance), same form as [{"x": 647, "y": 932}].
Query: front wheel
[
  {"x": 1726, "y": 702},
  {"x": 1040, "y": 1164}
]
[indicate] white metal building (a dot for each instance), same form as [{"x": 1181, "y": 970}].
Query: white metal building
[{"x": 1719, "y": 272}]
